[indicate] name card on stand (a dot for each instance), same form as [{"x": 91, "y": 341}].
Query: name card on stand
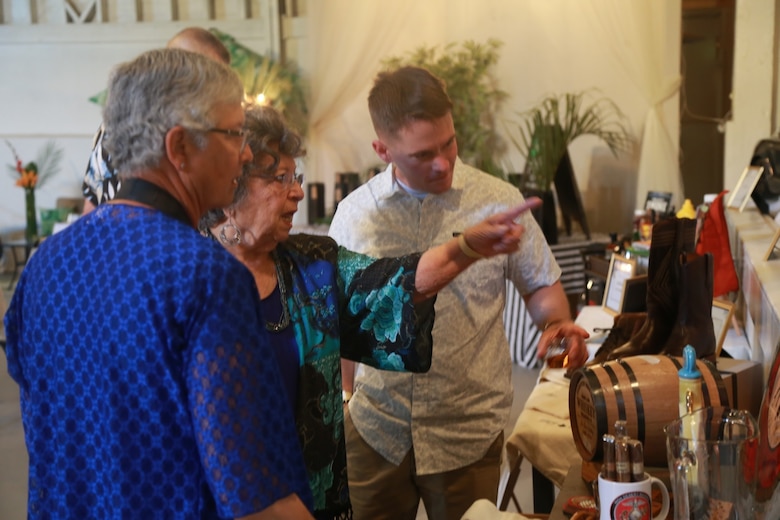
[
  {"x": 773, "y": 253},
  {"x": 722, "y": 311},
  {"x": 739, "y": 196},
  {"x": 621, "y": 269}
]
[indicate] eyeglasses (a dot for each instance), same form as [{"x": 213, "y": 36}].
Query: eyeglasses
[
  {"x": 288, "y": 179},
  {"x": 285, "y": 179},
  {"x": 243, "y": 134}
]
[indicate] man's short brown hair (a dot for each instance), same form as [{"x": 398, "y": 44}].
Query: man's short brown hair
[{"x": 406, "y": 94}]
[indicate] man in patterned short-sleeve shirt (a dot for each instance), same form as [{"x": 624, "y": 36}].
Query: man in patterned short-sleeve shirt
[{"x": 438, "y": 436}]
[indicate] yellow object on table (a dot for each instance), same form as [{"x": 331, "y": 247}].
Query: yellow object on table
[{"x": 687, "y": 210}]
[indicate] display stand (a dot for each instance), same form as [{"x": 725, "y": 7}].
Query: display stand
[
  {"x": 621, "y": 269},
  {"x": 739, "y": 196},
  {"x": 569, "y": 198},
  {"x": 772, "y": 252}
]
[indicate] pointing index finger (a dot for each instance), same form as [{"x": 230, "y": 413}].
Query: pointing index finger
[{"x": 529, "y": 204}]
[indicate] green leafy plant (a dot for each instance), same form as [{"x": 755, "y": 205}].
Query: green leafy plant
[
  {"x": 278, "y": 83},
  {"x": 548, "y": 128},
  {"x": 466, "y": 70}
]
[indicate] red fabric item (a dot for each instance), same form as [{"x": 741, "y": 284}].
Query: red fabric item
[{"x": 714, "y": 238}]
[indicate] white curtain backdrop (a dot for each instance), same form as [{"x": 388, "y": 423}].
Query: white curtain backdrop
[
  {"x": 625, "y": 50},
  {"x": 347, "y": 39},
  {"x": 646, "y": 42}
]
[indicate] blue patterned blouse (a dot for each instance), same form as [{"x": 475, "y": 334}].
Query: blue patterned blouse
[
  {"x": 346, "y": 304},
  {"x": 147, "y": 386}
]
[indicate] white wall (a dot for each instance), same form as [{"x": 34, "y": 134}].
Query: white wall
[
  {"x": 754, "y": 95},
  {"x": 49, "y": 69},
  {"x": 568, "y": 53},
  {"x": 549, "y": 46}
]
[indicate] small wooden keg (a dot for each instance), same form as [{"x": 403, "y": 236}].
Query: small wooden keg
[{"x": 641, "y": 390}]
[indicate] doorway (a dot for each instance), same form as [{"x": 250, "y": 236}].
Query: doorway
[{"x": 707, "y": 57}]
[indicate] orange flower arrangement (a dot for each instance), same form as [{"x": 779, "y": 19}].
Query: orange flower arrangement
[
  {"x": 28, "y": 177},
  {"x": 31, "y": 176}
]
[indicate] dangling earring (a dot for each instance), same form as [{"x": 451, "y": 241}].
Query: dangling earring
[{"x": 235, "y": 234}]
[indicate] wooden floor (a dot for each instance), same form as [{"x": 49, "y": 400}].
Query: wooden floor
[{"x": 13, "y": 453}]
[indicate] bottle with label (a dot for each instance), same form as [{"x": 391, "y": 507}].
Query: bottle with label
[
  {"x": 690, "y": 397},
  {"x": 639, "y": 216}
]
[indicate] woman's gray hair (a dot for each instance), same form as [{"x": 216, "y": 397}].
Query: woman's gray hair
[
  {"x": 153, "y": 93},
  {"x": 266, "y": 129}
]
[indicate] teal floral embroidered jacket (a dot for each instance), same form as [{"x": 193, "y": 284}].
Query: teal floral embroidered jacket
[{"x": 343, "y": 304}]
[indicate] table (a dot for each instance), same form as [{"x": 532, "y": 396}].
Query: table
[
  {"x": 572, "y": 486},
  {"x": 542, "y": 433},
  {"x": 20, "y": 250}
]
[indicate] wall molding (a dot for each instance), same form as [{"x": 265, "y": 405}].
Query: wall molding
[{"x": 86, "y": 12}]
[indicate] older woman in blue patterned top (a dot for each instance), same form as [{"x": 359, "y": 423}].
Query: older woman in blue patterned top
[
  {"x": 149, "y": 397},
  {"x": 322, "y": 302}
]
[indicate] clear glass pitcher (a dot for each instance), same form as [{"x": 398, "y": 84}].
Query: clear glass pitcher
[{"x": 711, "y": 454}]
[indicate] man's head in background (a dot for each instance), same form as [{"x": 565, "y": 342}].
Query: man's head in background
[{"x": 198, "y": 39}]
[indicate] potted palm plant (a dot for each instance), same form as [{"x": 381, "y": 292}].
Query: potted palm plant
[{"x": 547, "y": 129}]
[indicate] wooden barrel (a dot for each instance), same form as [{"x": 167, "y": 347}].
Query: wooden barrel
[{"x": 641, "y": 390}]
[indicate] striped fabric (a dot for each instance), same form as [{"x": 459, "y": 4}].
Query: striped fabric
[{"x": 521, "y": 332}]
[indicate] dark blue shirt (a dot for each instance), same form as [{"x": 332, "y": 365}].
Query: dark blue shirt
[
  {"x": 148, "y": 385},
  {"x": 285, "y": 346}
]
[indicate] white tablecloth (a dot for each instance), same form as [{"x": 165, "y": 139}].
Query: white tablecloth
[{"x": 542, "y": 433}]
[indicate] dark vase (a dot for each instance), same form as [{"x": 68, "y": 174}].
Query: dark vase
[
  {"x": 545, "y": 215},
  {"x": 31, "y": 225}
]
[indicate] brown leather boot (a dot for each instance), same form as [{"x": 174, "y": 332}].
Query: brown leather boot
[
  {"x": 624, "y": 327},
  {"x": 671, "y": 238},
  {"x": 694, "y": 316}
]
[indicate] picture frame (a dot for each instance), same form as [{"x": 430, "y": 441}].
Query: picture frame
[
  {"x": 658, "y": 201},
  {"x": 739, "y": 196},
  {"x": 773, "y": 252},
  {"x": 722, "y": 312},
  {"x": 620, "y": 270},
  {"x": 635, "y": 294}
]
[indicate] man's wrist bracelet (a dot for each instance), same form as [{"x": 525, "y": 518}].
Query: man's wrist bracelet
[{"x": 466, "y": 250}]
